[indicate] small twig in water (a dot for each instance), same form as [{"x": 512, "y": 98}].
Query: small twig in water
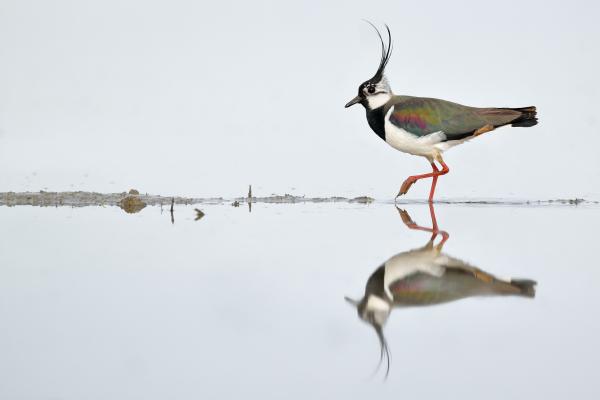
[
  {"x": 249, "y": 198},
  {"x": 172, "y": 215}
]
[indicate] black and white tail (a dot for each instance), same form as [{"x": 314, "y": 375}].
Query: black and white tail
[
  {"x": 528, "y": 117},
  {"x": 526, "y": 286}
]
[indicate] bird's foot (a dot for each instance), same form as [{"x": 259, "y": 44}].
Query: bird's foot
[
  {"x": 408, "y": 221},
  {"x": 406, "y": 186},
  {"x": 406, "y": 218}
]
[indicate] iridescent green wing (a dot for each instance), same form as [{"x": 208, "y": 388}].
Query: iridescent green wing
[{"x": 422, "y": 116}]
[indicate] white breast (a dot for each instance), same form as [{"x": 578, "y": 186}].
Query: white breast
[
  {"x": 400, "y": 266},
  {"x": 406, "y": 142}
]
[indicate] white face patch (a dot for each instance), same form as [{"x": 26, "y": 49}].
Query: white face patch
[
  {"x": 375, "y": 303},
  {"x": 378, "y": 99},
  {"x": 378, "y": 309}
]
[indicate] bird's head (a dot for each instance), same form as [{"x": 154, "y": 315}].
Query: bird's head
[
  {"x": 375, "y": 311},
  {"x": 376, "y": 91}
]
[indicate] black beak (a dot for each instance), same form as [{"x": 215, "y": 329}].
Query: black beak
[{"x": 352, "y": 102}]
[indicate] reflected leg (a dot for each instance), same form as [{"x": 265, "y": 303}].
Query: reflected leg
[{"x": 434, "y": 228}]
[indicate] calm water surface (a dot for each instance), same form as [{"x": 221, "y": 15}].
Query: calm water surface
[{"x": 96, "y": 303}]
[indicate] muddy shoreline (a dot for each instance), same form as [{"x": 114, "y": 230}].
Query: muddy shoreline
[
  {"x": 86, "y": 199},
  {"x": 135, "y": 199}
]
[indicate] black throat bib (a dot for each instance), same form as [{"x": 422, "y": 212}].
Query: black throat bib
[{"x": 376, "y": 119}]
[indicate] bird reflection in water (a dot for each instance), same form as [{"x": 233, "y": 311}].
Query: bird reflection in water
[{"x": 423, "y": 277}]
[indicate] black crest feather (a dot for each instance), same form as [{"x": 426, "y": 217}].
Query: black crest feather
[{"x": 386, "y": 51}]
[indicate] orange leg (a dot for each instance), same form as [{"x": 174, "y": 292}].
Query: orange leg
[
  {"x": 434, "y": 174},
  {"x": 433, "y": 183},
  {"x": 444, "y": 171}
]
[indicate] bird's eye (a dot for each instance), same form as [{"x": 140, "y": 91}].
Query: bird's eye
[{"x": 371, "y": 89}]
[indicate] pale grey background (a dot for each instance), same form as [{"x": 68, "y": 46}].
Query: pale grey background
[{"x": 202, "y": 98}]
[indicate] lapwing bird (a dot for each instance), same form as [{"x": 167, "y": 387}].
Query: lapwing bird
[
  {"x": 424, "y": 277},
  {"x": 425, "y": 126}
]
